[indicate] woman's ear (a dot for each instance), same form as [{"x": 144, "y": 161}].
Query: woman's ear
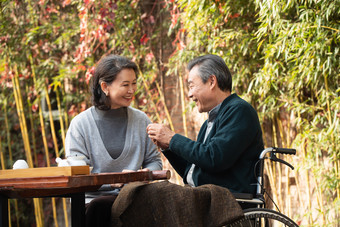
[{"x": 103, "y": 86}]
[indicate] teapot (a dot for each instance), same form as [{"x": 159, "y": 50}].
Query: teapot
[{"x": 71, "y": 161}]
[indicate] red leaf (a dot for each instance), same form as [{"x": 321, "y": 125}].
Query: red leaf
[
  {"x": 149, "y": 57},
  {"x": 66, "y": 2},
  {"x": 87, "y": 2},
  {"x": 144, "y": 39}
]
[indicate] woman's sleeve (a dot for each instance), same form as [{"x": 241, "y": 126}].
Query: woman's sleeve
[{"x": 75, "y": 142}]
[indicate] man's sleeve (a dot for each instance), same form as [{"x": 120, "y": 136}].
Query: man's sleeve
[{"x": 177, "y": 162}]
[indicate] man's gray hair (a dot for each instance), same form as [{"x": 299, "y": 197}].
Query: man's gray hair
[{"x": 213, "y": 65}]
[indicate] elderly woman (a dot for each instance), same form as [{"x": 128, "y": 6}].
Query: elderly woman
[{"x": 111, "y": 134}]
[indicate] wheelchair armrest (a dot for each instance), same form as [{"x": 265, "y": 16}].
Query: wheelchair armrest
[{"x": 243, "y": 195}]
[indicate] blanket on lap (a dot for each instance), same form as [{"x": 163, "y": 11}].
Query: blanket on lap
[{"x": 166, "y": 204}]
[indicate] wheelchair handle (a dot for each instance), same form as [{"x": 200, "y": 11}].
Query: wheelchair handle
[
  {"x": 277, "y": 150},
  {"x": 284, "y": 151}
]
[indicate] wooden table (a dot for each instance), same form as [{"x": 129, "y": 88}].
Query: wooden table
[{"x": 67, "y": 186}]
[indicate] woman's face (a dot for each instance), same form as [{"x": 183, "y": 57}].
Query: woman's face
[{"x": 122, "y": 89}]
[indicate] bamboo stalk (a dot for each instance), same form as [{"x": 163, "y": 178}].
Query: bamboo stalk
[
  {"x": 54, "y": 136},
  {"x": 42, "y": 124},
  {"x": 37, "y": 212},
  {"x": 43, "y": 132},
  {"x": 8, "y": 133},
  {"x": 9, "y": 146},
  {"x": 16, "y": 211},
  {"x": 183, "y": 105},
  {"x": 263, "y": 136},
  {"x": 277, "y": 167},
  {"x": 183, "y": 113},
  {"x": 63, "y": 139},
  {"x": 54, "y": 212},
  {"x": 288, "y": 144},
  {"x": 2, "y": 156},
  {"x": 165, "y": 107},
  {"x": 66, "y": 119},
  {"x": 43, "y": 135},
  {"x": 65, "y": 212},
  {"x": 60, "y": 118},
  {"x": 320, "y": 200},
  {"x": 146, "y": 86},
  {"x": 22, "y": 120},
  {"x": 9, "y": 214},
  {"x": 297, "y": 181},
  {"x": 24, "y": 131},
  {"x": 308, "y": 185},
  {"x": 286, "y": 204},
  {"x": 30, "y": 115},
  {"x": 271, "y": 177},
  {"x": 337, "y": 161},
  {"x": 56, "y": 149}
]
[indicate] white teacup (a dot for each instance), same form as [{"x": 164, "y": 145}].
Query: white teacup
[
  {"x": 76, "y": 161},
  {"x": 71, "y": 161}
]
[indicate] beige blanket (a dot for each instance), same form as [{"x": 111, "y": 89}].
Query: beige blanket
[{"x": 166, "y": 204}]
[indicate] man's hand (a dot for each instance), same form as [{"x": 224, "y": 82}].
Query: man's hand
[{"x": 160, "y": 135}]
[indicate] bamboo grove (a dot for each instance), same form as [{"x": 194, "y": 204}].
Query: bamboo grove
[{"x": 284, "y": 58}]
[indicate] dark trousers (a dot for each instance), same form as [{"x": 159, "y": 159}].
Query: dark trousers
[{"x": 98, "y": 211}]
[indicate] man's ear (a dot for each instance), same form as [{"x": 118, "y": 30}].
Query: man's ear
[
  {"x": 103, "y": 86},
  {"x": 212, "y": 81}
]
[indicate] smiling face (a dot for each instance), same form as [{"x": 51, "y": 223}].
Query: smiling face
[
  {"x": 122, "y": 89},
  {"x": 200, "y": 92}
]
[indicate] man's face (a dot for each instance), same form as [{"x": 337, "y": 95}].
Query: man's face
[{"x": 199, "y": 92}]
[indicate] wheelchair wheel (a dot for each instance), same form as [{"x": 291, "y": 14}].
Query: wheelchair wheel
[{"x": 263, "y": 218}]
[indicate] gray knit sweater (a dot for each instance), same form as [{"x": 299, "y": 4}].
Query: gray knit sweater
[{"x": 83, "y": 138}]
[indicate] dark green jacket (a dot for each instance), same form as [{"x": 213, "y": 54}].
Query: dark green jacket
[{"x": 227, "y": 157}]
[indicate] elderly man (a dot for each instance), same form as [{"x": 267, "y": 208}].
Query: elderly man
[{"x": 229, "y": 142}]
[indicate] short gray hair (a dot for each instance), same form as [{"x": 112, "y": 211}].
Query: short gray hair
[{"x": 213, "y": 65}]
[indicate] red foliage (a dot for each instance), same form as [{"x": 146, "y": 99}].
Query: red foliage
[
  {"x": 35, "y": 107},
  {"x": 89, "y": 74},
  {"x": 149, "y": 57},
  {"x": 144, "y": 39},
  {"x": 66, "y": 2}
]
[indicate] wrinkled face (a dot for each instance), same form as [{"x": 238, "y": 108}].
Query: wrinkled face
[
  {"x": 198, "y": 91},
  {"x": 122, "y": 89}
]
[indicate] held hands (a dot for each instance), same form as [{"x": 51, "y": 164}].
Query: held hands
[{"x": 160, "y": 135}]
